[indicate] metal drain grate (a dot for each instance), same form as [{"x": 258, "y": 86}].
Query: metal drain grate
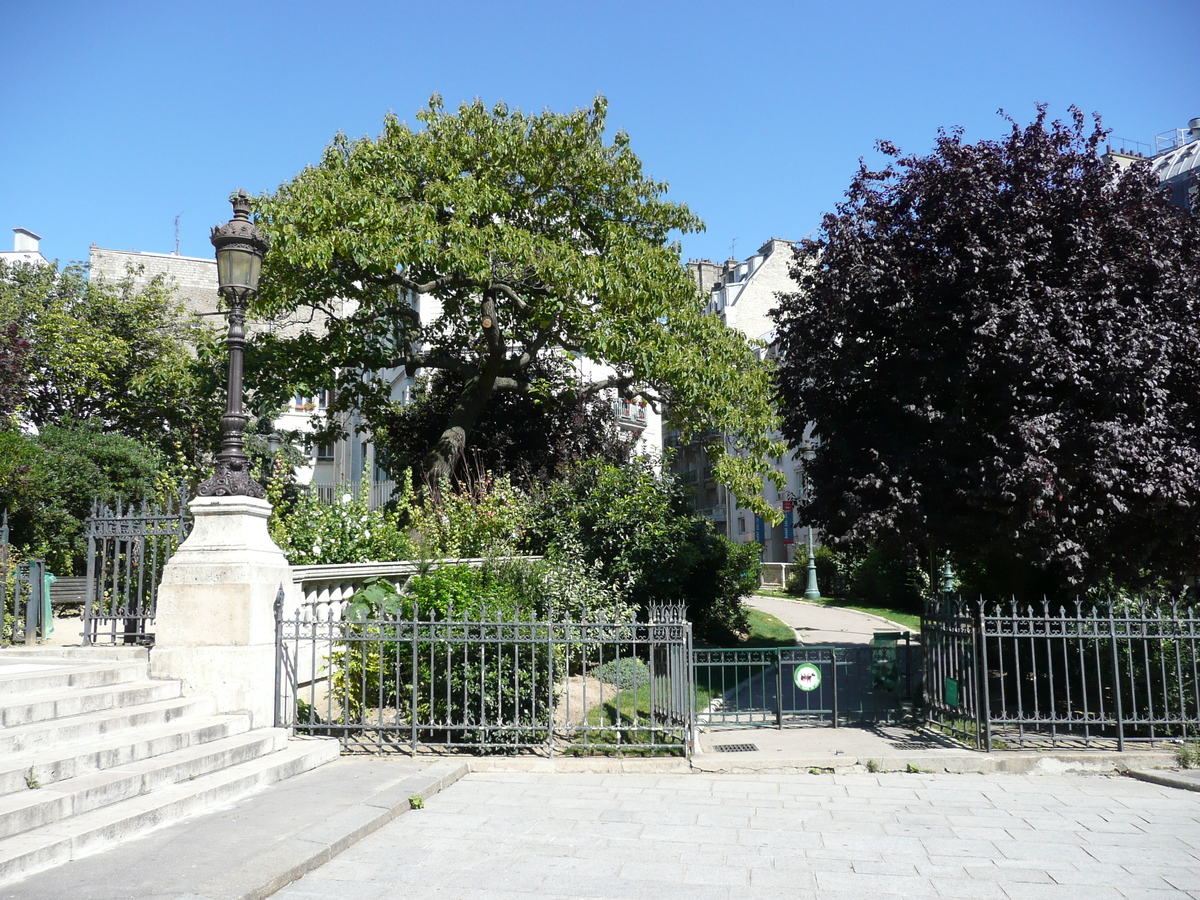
[
  {"x": 735, "y": 748},
  {"x": 911, "y": 745}
]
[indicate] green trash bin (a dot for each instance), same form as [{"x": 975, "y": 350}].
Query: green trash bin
[
  {"x": 47, "y": 622},
  {"x": 885, "y": 671}
]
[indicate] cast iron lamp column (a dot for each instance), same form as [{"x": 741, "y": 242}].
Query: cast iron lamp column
[
  {"x": 811, "y": 591},
  {"x": 240, "y": 249}
]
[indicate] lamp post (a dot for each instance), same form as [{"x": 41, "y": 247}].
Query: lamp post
[
  {"x": 274, "y": 442},
  {"x": 811, "y": 591},
  {"x": 240, "y": 248}
]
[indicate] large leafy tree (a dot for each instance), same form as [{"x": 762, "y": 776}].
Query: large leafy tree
[
  {"x": 999, "y": 344},
  {"x": 534, "y": 237},
  {"x": 121, "y": 355}
]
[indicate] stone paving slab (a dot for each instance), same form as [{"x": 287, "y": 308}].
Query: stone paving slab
[
  {"x": 254, "y": 846},
  {"x": 523, "y": 835}
]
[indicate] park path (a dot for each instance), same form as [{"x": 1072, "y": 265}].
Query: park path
[
  {"x": 816, "y": 624},
  {"x": 512, "y": 836}
]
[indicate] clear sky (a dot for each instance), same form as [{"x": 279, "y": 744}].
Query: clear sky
[{"x": 119, "y": 116}]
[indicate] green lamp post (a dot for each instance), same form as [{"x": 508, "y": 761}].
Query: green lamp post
[{"x": 811, "y": 591}]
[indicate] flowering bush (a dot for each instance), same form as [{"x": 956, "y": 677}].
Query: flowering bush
[
  {"x": 487, "y": 517},
  {"x": 311, "y": 532}
]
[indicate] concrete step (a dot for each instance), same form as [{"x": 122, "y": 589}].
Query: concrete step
[
  {"x": 34, "y": 808},
  {"x": 48, "y": 765},
  {"x": 74, "y": 729},
  {"x": 27, "y": 673},
  {"x": 42, "y": 706},
  {"x": 66, "y": 839}
]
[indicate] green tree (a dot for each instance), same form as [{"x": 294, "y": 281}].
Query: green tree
[
  {"x": 534, "y": 238},
  {"x": 49, "y": 481},
  {"x": 123, "y": 355},
  {"x": 999, "y": 344}
]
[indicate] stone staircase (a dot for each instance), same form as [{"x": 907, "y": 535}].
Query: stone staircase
[{"x": 93, "y": 751}]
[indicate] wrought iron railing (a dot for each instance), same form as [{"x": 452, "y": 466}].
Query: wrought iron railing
[
  {"x": 128, "y": 546},
  {"x": 418, "y": 684},
  {"x": 1074, "y": 674}
]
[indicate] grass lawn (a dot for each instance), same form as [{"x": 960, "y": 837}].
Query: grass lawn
[
  {"x": 908, "y": 620},
  {"x": 767, "y": 631}
]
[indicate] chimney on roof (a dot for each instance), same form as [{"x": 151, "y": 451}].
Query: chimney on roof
[
  {"x": 1194, "y": 128},
  {"x": 25, "y": 241}
]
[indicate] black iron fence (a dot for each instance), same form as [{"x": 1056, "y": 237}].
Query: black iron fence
[
  {"x": 413, "y": 684},
  {"x": 128, "y": 546},
  {"x": 1077, "y": 674},
  {"x": 813, "y": 685}
]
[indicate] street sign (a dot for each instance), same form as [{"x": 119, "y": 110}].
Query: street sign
[{"x": 807, "y": 677}]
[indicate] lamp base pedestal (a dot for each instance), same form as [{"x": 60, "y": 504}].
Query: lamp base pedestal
[{"x": 215, "y": 619}]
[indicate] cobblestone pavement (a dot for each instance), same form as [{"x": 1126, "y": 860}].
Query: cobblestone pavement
[{"x": 502, "y": 836}]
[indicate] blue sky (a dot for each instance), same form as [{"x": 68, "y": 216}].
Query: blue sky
[{"x": 119, "y": 116}]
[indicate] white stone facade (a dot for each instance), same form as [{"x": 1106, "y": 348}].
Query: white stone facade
[{"x": 743, "y": 294}]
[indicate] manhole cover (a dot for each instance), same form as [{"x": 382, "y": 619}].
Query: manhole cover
[{"x": 735, "y": 748}]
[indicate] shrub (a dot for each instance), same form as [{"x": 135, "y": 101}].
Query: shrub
[
  {"x": 483, "y": 517},
  {"x": 310, "y": 532},
  {"x": 627, "y": 673},
  {"x": 883, "y": 578},
  {"x": 467, "y": 697},
  {"x": 638, "y": 531}
]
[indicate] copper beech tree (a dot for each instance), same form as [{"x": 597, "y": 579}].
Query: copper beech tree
[
  {"x": 999, "y": 344},
  {"x": 535, "y": 238}
]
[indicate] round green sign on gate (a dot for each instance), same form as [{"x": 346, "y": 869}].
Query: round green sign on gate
[{"x": 807, "y": 677}]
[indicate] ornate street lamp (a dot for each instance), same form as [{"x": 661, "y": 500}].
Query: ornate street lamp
[
  {"x": 240, "y": 249},
  {"x": 811, "y": 591}
]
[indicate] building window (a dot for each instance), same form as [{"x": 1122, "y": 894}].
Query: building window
[
  {"x": 741, "y": 524},
  {"x": 381, "y": 465},
  {"x": 325, "y": 451}
]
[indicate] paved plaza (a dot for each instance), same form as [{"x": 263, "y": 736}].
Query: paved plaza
[{"x": 504, "y": 835}]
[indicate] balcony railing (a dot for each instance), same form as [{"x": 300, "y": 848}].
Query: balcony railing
[{"x": 630, "y": 413}]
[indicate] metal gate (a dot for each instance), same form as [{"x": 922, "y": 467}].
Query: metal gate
[
  {"x": 816, "y": 685},
  {"x": 127, "y": 550}
]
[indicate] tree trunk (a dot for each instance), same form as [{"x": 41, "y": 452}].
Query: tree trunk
[{"x": 441, "y": 460}]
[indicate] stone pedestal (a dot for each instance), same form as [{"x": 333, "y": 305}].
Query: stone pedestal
[{"x": 215, "y": 620}]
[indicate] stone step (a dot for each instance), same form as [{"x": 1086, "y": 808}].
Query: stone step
[
  {"x": 42, "y": 706},
  {"x": 48, "y": 765},
  {"x": 44, "y": 805},
  {"x": 52, "y": 844},
  {"x": 25, "y": 673},
  {"x": 74, "y": 729}
]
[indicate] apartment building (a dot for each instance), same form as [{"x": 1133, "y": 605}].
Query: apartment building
[{"x": 742, "y": 293}]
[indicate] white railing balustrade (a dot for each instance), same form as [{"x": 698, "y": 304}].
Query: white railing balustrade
[{"x": 325, "y": 591}]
